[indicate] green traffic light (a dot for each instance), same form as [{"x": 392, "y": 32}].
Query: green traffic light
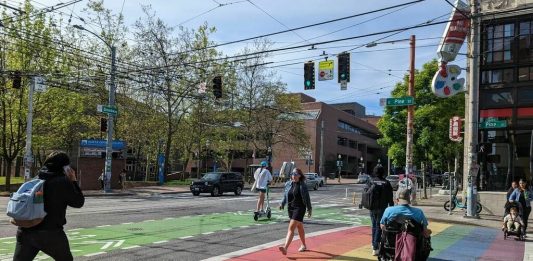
[
  {"x": 307, "y": 83},
  {"x": 343, "y": 76}
]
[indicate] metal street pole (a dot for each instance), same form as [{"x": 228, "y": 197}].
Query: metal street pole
[
  {"x": 410, "y": 121},
  {"x": 110, "y": 124},
  {"x": 28, "y": 156},
  {"x": 321, "y": 165},
  {"x": 473, "y": 105}
]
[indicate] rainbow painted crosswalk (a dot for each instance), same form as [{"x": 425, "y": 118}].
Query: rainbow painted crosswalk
[{"x": 450, "y": 242}]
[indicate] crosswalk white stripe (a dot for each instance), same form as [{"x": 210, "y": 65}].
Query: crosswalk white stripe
[{"x": 528, "y": 249}]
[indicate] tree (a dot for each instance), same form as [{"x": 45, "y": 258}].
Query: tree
[{"x": 432, "y": 114}]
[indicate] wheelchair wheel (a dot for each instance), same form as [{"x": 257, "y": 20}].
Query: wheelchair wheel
[{"x": 479, "y": 208}]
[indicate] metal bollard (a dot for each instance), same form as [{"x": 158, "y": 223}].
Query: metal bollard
[
  {"x": 346, "y": 195},
  {"x": 353, "y": 200}
]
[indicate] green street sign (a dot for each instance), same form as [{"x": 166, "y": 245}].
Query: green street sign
[
  {"x": 493, "y": 124},
  {"x": 403, "y": 101},
  {"x": 107, "y": 109}
]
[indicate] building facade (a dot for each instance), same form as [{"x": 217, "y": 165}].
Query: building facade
[{"x": 505, "y": 96}]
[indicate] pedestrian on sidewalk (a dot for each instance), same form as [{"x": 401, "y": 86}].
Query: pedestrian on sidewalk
[
  {"x": 296, "y": 197},
  {"x": 101, "y": 179},
  {"x": 514, "y": 185},
  {"x": 122, "y": 179},
  {"x": 523, "y": 195},
  {"x": 262, "y": 178},
  {"x": 60, "y": 190},
  {"x": 383, "y": 189}
]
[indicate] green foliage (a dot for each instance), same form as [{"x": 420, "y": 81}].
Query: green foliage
[{"x": 431, "y": 124}]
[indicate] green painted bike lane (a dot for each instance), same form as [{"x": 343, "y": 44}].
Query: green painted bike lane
[{"x": 106, "y": 238}]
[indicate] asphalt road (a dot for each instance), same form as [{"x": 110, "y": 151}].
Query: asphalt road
[{"x": 183, "y": 226}]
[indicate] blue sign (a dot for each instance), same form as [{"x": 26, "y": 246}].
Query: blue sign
[
  {"x": 161, "y": 164},
  {"x": 117, "y": 144}
]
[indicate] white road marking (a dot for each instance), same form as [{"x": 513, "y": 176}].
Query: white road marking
[
  {"x": 226, "y": 229},
  {"x": 149, "y": 220},
  {"x": 528, "y": 250},
  {"x": 95, "y": 254},
  {"x": 127, "y": 223},
  {"x": 161, "y": 242},
  {"x": 244, "y": 226},
  {"x": 186, "y": 237},
  {"x": 168, "y": 218},
  {"x": 130, "y": 247},
  {"x": 269, "y": 245},
  {"x": 208, "y": 233},
  {"x": 104, "y": 226},
  {"x": 75, "y": 229}
]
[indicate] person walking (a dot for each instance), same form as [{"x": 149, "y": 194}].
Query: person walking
[
  {"x": 523, "y": 195},
  {"x": 101, "y": 179},
  {"x": 514, "y": 185},
  {"x": 60, "y": 190},
  {"x": 262, "y": 177},
  {"x": 122, "y": 179},
  {"x": 296, "y": 196},
  {"x": 384, "y": 190}
]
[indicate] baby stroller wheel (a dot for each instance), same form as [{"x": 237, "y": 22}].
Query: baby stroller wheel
[
  {"x": 269, "y": 214},
  {"x": 256, "y": 216},
  {"x": 505, "y": 235}
]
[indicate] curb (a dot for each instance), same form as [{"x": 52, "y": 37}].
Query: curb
[{"x": 459, "y": 222}]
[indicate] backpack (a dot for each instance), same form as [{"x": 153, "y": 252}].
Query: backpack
[
  {"x": 26, "y": 206},
  {"x": 374, "y": 196}
]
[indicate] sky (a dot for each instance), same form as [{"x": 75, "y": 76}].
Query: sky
[{"x": 374, "y": 70}]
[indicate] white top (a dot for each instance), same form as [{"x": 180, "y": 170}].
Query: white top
[{"x": 262, "y": 176}]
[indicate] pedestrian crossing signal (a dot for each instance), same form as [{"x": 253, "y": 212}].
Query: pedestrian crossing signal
[
  {"x": 103, "y": 124},
  {"x": 309, "y": 76}
]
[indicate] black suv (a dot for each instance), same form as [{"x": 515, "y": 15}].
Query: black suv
[{"x": 217, "y": 183}]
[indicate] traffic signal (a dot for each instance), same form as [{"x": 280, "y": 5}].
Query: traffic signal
[
  {"x": 217, "y": 86},
  {"x": 17, "y": 80},
  {"x": 344, "y": 67},
  {"x": 309, "y": 76},
  {"x": 103, "y": 124}
]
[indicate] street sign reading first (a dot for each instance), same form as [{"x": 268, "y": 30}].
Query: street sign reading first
[
  {"x": 403, "y": 101},
  {"x": 107, "y": 109}
]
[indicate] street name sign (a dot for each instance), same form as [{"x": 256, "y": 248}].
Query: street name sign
[
  {"x": 493, "y": 124},
  {"x": 107, "y": 109},
  {"x": 403, "y": 101}
]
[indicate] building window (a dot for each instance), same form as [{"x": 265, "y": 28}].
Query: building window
[
  {"x": 497, "y": 76},
  {"x": 497, "y": 44},
  {"x": 353, "y": 144},
  {"x": 525, "y": 41},
  {"x": 525, "y": 74},
  {"x": 342, "y": 141}
]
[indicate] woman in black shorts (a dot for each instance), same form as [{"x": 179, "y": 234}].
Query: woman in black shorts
[{"x": 297, "y": 198}]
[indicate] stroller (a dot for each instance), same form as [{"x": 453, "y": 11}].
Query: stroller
[
  {"x": 520, "y": 233},
  {"x": 393, "y": 230}
]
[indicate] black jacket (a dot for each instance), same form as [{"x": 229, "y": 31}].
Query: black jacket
[
  {"x": 388, "y": 198},
  {"x": 59, "y": 192}
]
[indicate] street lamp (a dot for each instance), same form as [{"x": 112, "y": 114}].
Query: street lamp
[
  {"x": 362, "y": 164},
  {"x": 111, "y": 116},
  {"x": 339, "y": 166},
  {"x": 206, "y": 155}
]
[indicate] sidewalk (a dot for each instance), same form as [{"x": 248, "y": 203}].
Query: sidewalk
[{"x": 433, "y": 208}]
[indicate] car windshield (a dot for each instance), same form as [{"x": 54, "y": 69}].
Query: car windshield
[{"x": 211, "y": 176}]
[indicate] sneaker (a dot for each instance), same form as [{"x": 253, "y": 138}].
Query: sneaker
[
  {"x": 374, "y": 252},
  {"x": 283, "y": 250},
  {"x": 302, "y": 249}
]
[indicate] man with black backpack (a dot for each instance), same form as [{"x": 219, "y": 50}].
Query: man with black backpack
[
  {"x": 60, "y": 190},
  {"x": 377, "y": 196}
]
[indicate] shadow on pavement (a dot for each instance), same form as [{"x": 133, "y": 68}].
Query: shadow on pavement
[{"x": 325, "y": 256}]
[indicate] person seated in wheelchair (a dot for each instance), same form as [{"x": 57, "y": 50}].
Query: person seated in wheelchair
[
  {"x": 512, "y": 222},
  {"x": 404, "y": 218}
]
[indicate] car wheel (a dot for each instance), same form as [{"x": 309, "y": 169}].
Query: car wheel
[
  {"x": 238, "y": 191},
  {"x": 215, "y": 192},
  {"x": 315, "y": 187},
  {"x": 321, "y": 183},
  {"x": 196, "y": 193}
]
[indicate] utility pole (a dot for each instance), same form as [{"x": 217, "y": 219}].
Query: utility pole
[
  {"x": 321, "y": 166},
  {"x": 473, "y": 105},
  {"x": 410, "y": 121},
  {"x": 110, "y": 124},
  {"x": 28, "y": 156}
]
